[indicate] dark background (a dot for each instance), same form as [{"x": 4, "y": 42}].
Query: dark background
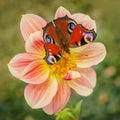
[{"x": 104, "y": 103}]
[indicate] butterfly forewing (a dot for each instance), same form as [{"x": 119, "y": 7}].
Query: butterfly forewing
[{"x": 81, "y": 36}]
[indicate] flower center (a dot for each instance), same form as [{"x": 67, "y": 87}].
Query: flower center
[{"x": 63, "y": 65}]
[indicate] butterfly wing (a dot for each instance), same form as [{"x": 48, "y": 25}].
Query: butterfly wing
[
  {"x": 53, "y": 53},
  {"x": 81, "y": 36},
  {"x": 61, "y": 34}
]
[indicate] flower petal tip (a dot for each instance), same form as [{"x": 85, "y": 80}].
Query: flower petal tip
[
  {"x": 60, "y": 99},
  {"x": 37, "y": 95},
  {"x": 85, "y": 20},
  {"x": 61, "y": 12},
  {"x": 103, "y": 51},
  {"x": 92, "y": 54},
  {"x": 31, "y": 23}
]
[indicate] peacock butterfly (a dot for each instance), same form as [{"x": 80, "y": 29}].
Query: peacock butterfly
[{"x": 61, "y": 34}]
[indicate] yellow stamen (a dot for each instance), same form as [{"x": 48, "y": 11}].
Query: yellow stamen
[{"x": 63, "y": 65}]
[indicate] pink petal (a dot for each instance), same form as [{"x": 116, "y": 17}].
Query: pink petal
[
  {"x": 85, "y": 84},
  {"x": 88, "y": 55},
  {"x": 40, "y": 95},
  {"x": 60, "y": 99},
  {"x": 35, "y": 73},
  {"x": 90, "y": 75},
  {"x": 31, "y": 23},
  {"x": 19, "y": 62},
  {"x": 61, "y": 12},
  {"x": 35, "y": 44},
  {"x": 72, "y": 75},
  {"x": 85, "y": 20}
]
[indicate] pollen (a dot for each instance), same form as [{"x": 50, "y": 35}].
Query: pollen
[{"x": 63, "y": 65}]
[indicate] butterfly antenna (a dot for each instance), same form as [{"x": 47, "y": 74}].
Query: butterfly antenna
[{"x": 53, "y": 23}]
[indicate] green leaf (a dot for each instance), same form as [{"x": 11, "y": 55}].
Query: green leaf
[
  {"x": 65, "y": 114},
  {"x": 78, "y": 108}
]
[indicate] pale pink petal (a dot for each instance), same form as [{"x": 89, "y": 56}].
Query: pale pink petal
[
  {"x": 40, "y": 95},
  {"x": 60, "y": 99},
  {"x": 85, "y": 84},
  {"x": 35, "y": 44},
  {"x": 31, "y": 23},
  {"x": 90, "y": 75},
  {"x": 35, "y": 73},
  {"x": 85, "y": 20},
  {"x": 88, "y": 55},
  {"x": 72, "y": 75},
  {"x": 19, "y": 62},
  {"x": 61, "y": 12}
]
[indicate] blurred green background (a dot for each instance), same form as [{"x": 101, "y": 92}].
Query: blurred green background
[{"x": 104, "y": 103}]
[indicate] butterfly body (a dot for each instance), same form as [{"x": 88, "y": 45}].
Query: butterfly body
[
  {"x": 61, "y": 34},
  {"x": 58, "y": 31}
]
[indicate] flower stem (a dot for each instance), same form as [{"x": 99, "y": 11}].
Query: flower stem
[{"x": 72, "y": 110}]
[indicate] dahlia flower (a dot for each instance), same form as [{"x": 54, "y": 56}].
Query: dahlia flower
[{"x": 49, "y": 86}]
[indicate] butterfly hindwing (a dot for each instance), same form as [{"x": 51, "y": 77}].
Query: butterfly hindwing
[{"x": 53, "y": 53}]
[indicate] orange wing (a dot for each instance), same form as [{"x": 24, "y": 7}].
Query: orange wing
[
  {"x": 81, "y": 36},
  {"x": 53, "y": 53}
]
